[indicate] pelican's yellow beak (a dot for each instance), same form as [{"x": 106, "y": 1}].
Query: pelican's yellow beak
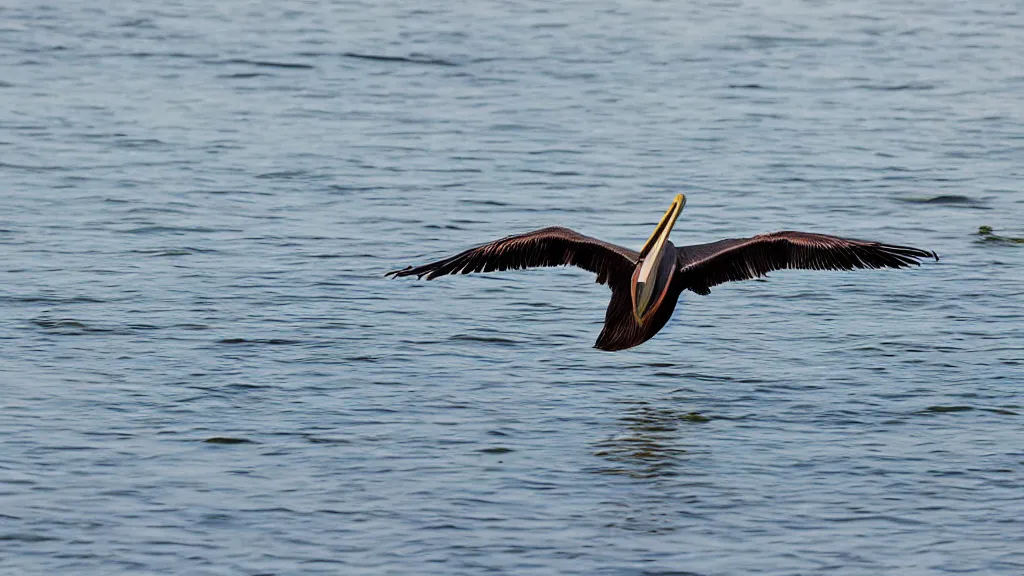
[
  {"x": 664, "y": 228},
  {"x": 645, "y": 279}
]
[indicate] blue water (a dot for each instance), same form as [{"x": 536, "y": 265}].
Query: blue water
[{"x": 198, "y": 202}]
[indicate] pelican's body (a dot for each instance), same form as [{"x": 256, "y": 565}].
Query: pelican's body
[{"x": 646, "y": 285}]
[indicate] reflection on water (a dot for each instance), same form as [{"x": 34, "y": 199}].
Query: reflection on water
[{"x": 650, "y": 442}]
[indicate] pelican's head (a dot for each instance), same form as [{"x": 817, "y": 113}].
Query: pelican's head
[{"x": 653, "y": 271}]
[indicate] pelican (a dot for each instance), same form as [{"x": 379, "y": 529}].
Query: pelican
[{"x": 646, "y": 285}]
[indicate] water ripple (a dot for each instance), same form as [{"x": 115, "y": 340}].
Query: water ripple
[{"x": 204, "y": 371}]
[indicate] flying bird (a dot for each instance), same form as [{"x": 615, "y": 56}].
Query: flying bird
[{"x": 646, "y": 285}]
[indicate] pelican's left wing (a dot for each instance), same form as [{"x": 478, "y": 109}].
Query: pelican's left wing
[
  {"x": 705, "y": 265},
  {"x": 554, "y": 246}
]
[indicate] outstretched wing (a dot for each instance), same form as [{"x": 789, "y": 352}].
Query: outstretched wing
[
  {"x": 705, "y": 265},
  {"x": 545, "y": 247}
]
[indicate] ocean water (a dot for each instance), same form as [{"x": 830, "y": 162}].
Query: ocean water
[{"x": 204, "y": 372}]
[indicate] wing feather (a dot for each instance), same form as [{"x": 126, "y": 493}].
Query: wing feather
[
  {"x": 706, "y": 265},
  {"x": 555, "y": 246}
]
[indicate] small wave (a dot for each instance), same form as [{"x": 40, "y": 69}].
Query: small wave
[
  {"x": 485, "y": 339},
  {"x": 769, "y": 41},
  {"x": 265, "y": 64},
  {"x": 411, "y": 59},
  {"x": 326, "y": 440},
  {"x": 243, "y": 75},
  {"x": 271, "y": 341},
  {"x": 29, "y": 167},
  {"x": 25, "y": 538},
  {"x": 282, "y": 175},
  {"x": 52, "y": 300},
  {"x": 156, "y": 229},
  {"x": 482, "y": 202},
  {"x": 897, "y": 87},
  {"x": 182, "y": 55},
  {"x": 192, "y": 326},
  {"x": 138, "y": 142},
  {"x": 165, "y": 252},
  {"x": 227, "y": 440},
  {"x": 952, "y": 199},
  {"x": 67, "y": 326},
  {"x": 941, "y": 409},
  {"x": 903, "y": 521},
  {"x": 136, "y": 23},
  {"x": 1002, "y": 411}
]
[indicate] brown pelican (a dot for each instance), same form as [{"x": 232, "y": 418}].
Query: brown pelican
[{"x": 646, "y": 285}]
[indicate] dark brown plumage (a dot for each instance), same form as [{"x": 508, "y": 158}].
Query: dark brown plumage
[
  {"x": 697, "y": 267},
  {"x": 554, "y": 246},
  {"x": 707, "y": 265}
]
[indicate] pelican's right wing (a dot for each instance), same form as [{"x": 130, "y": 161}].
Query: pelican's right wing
[{"x": 554, "y": 246}]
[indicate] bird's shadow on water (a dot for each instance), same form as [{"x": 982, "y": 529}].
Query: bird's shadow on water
[{"x": 649, "y": 444}]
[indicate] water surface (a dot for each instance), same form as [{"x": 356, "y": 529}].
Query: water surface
[{"x": 203, "y": 370}]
